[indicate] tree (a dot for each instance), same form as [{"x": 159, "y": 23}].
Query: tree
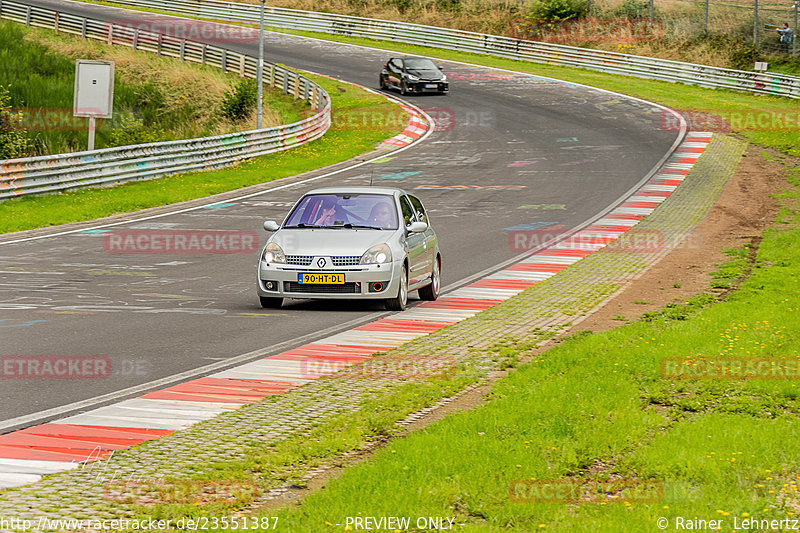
[{"x": 14, "y": 140}]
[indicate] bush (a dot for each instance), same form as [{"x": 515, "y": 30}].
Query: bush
[
  {"x": 633, "y": 9},
  {"x": 239, "y": 103},
  {"x": 558, "y": 10},
  {"x": 744, "y": 57},
  {"x": 401, "y": 5},
  {"x": 131, "y": 130},
  {"x": 14, "y": 141},
  {"x": 449, "y": 5}
]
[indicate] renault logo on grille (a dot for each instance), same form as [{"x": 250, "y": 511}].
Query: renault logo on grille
[{"x": 321, "y": 262}]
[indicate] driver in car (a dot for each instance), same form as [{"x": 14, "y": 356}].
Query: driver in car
[{"x": 328, "y": 215}]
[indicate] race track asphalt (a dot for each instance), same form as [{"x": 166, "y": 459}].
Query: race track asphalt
[{"x": 512, "y": 151}]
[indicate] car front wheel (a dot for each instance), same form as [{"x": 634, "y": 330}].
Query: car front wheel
[
  {"x": 399, "y": 302},
  {"x": 431, "y": 292},
  {"x": 382, "y": 84},
  {"x": 403, "y": 88}
]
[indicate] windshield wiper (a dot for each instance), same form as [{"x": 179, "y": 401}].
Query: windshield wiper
[
  {"x": 361, "y": 226},
  {"x": 301, "y": 225}
]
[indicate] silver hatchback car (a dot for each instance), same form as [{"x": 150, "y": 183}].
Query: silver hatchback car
[{"x": 351, "y": 242}]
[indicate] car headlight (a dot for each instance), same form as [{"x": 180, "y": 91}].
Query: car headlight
[
  {"x": 377, "y": 255},
  {"x": 444, "y": 78},
  {"x": 273, "y": 253},
  {"x": 411, "y": 77}
]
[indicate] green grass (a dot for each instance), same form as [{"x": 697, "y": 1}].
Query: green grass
[
  {"x": 595, "y": 408},
  {"x": 345, "y": 139},
  {"x": 155, "y": 98},
  {"x": 729, "y": 272}
]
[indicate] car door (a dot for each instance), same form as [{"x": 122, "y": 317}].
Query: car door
[
  {"x": 429, "y": 237},
  {"x": 414, "y": 242},
  {"x": 395, "y": 69}
]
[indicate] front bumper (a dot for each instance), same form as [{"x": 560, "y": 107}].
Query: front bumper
[
  {"x": 428, "y": 86},
  {"x": 281, "y": 281}
]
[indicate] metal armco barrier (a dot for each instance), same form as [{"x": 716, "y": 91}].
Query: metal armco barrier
[
  {"x": 538, "y": 52},
  {"x": 33, "y": 175}
]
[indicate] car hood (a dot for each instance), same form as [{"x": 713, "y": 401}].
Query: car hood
[
  {"x": 426, "y": 74},
  {"x": 329, "y": 242}
]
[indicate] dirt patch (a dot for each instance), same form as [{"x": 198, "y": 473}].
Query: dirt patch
[{"x": 745, "y": 208}]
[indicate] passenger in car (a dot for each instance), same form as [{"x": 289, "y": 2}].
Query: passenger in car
[{"x": 381, "y": 215}]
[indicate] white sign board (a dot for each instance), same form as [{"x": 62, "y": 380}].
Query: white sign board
[
  {"x": 94, "y": 89},
  {"x": 761, "y": 66}
]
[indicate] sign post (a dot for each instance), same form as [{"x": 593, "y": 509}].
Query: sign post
[{"x": 94, "y": 92}]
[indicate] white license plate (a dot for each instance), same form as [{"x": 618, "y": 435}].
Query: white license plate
[{"x": 430, "y": 85}]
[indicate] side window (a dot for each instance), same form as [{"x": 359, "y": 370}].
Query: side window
[
  {"x": 421, "y": 215},
  {"x": 408, "y": 212},
  {"x": 396, "y": 64}
]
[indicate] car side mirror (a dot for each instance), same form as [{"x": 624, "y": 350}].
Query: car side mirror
[
  {"x": 417, "y": 227},
  {"x": 271, "y": 225},
  {"x": 440, "y": 67}
]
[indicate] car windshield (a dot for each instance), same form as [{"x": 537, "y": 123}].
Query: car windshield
[
  {"x": 420, "y": 64},
  {"x": 341, "y": 210}
]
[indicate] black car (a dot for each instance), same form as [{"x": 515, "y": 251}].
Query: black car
[{"x": 413, "y": 75}]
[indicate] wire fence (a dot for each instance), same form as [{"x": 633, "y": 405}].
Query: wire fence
[
  {"x": 481, "y": 43},
  {"x": 636, "y": 21}
]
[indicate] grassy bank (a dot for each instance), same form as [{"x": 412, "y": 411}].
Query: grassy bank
[
  {"x": 600, "y": 411},
  {"x": 345, "y": 140},
  {"x": 678, "y": 31},
  {"x": 155, "y": 98}
]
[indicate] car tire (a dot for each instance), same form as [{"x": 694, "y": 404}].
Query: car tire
[
  {"x": 403, "y": 88},
  {"x": 382, "y": 84},
  {"x": 270, "y": 303},
  {"x": 431, "y": 292},
  {"x": 399, "y": 302}
]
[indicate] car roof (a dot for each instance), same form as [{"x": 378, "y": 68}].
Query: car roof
[
  {"x": 410, "y": 57},
  {"x": 357, "y": 190}
]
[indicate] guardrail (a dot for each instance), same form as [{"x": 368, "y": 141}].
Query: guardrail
[
  {"x": 33, "y": 175},
  {"x": 523, "y": 50}
]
